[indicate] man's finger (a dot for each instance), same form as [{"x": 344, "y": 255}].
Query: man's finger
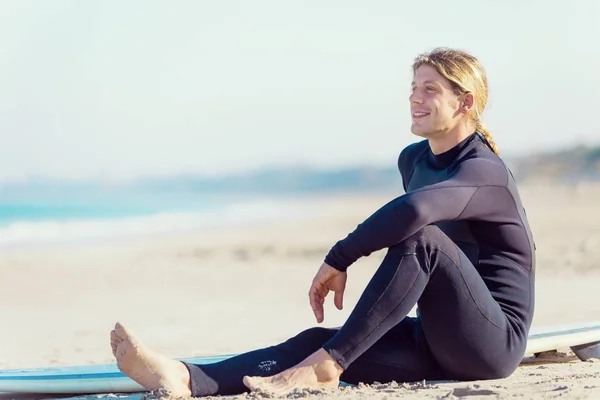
[
  {"x": 318, "y": 310},
  {"x": 316, "y": 303},
  {"x": 338, "y": 299},
  {"x": 321, "y": 289}
]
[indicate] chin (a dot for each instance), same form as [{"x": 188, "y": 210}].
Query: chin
[{"x": 418, "y": 131}]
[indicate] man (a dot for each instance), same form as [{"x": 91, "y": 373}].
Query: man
[{"x": 459, "y": 246}]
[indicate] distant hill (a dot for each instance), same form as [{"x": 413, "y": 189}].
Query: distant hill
[
  {"x": 566, "y": 166},
  {"x": 284, "y": 181},
  {"x": 581, "y": 163}
]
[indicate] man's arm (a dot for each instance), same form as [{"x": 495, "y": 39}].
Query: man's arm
[{"x": 407, "y": 214}]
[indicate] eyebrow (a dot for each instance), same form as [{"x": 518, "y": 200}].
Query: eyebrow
[{"x": 426, "y": 82}]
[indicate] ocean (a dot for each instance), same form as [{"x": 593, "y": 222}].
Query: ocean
[{"x": 59, "y": 214}]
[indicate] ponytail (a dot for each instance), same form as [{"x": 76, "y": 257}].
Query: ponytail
[{"x": 487, "y": 135}]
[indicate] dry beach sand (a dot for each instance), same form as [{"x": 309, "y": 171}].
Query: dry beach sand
[{"x": 234, "y": 289}]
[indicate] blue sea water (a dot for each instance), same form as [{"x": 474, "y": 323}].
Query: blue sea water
[
  {"x": 78, "y": 206},
  {"x": 66, "y": 215}
]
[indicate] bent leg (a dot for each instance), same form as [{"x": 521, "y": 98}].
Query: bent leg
[
  {"x": 466, "y": 331},
  {"x": 472, "y": 334}
]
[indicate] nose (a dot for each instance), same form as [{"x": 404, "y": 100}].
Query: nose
[{"x": 415, "y": 97}]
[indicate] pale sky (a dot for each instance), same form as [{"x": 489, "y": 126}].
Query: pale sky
[{"x": 121, "y": 89}]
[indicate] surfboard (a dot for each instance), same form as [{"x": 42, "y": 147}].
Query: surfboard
[
  {"x": 578, "y": 337},
  {"x": 101, "y": 378},
  {"x": 584, "y": 339}
]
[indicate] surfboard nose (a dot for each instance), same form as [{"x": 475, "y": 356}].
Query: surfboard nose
[{"x": 586, "y": 351}]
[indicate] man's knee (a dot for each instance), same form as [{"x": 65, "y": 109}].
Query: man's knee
[{"x": 426, "y": 237}]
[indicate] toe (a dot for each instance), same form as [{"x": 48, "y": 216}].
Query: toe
[
  {"x": 114, "y": 342},
  {"x": 122, "y": 332},
  {"x": 114, "y": 338},
  {"x": 252, "y": 382},
  {"x": 247, "y": 382}
]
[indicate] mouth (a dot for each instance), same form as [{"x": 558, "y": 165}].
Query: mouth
[{"x": 419, "y": 114}]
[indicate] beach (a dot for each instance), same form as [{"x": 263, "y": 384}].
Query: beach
[{"x": 240, "y": 287}]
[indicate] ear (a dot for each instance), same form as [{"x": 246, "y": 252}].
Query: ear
[{"x": 468, "y": 102}]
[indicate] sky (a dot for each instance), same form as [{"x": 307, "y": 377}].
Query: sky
[{"x": 124, "y": 89}]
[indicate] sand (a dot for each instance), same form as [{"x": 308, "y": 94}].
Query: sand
[{"x": 235, "y": 289}]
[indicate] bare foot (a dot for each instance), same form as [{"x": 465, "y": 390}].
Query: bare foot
[
  {"x": 317, "y": 371},
  {"x": 148, "y": 368}
]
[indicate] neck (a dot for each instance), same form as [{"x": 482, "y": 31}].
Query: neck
[{"x": 444, "y": 141}]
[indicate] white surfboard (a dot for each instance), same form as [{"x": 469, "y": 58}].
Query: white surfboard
[
  {"x": 104, "y": 378},
  {"x": 108, "y": 379},
  {"x": 556, "y": 337}
]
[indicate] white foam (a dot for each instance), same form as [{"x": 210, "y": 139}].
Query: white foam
[{"x": 28, "y": 232}]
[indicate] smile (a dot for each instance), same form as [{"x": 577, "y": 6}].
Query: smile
[{"x": 420, "y": 114}]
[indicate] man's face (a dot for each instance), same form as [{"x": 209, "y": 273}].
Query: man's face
[{"x": 434, "y": 106}]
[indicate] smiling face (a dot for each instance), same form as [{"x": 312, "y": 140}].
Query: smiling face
[{"x": 436, "y": 108}]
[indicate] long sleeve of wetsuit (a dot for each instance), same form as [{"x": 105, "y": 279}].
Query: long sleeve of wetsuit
[{"x": 468, "y": 193}]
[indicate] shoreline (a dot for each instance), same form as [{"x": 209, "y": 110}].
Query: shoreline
[
  {"x": 299, "y": 207},
  {"x": 273, "y": 209}
]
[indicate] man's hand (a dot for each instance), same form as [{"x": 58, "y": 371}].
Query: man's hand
[{"x": 327, "y": 279}]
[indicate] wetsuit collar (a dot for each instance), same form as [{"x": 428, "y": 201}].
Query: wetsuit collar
[{"x": 445, "y": 159}]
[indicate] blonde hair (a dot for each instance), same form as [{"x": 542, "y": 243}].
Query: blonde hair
[{"x": 466, "y": 75}]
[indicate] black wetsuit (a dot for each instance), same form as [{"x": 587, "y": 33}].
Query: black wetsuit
[{"x": 459, "y": 246}]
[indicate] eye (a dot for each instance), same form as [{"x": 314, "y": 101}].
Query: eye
[{"x": 430, "y": 88}]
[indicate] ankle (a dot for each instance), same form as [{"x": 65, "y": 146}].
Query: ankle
[
  {"x": 185, "y": 376},
  {"x": 328, "y": 368}
]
